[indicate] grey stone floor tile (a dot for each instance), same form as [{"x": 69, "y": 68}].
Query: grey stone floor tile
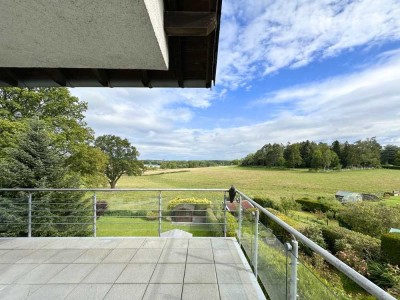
[
  {"x": 33, "y": 243},
  {"x": 200, "y": 243},
  {"x": 104, "y": 243},
  {"x": 220, "y": 243},
  {"x": 163, "y": 292},
  {"x": 66, "y": 256},
  {"x": 10, "y": 272},
  {"x": 4, "y": 251},
  {"x": 227, "y": 273},
  {"x": 168, "y": 273},
  {"x": 126, "y": 292},
  {"x": 173, "y": 256},
  {"x": 147, "y": 256},
  {"x": 52, "y": 291},
  {"x": 14, "y": 256},
  {"x": 93, "y": 256},
  {"x": 200, "y": 256},
  {"x": 240, "y": 292},
  {"x": 73, "y": 273},
  {"x": 70, "y": 243},
  {"x": 200, "y": 292},
  {"x": 5, "y": 240},
  {"x": 89, "y": 292},
  {"x": 226, "y": 256},
  {"x": 15, "y": 243},
  {"x": 104, "y": 273},
  {"x": 41, "y": 274},
  {"x": 177, "y": 243},
  {"x": 136, "y": 273},
  {"x": 200, "y": 273},
  {"x": 154, "y": 243},
  {"x": 131, "y": 243},
  {"x": 119, "y": 256},
  {"x": 18, "y": 292},
  {"x": 38, "y": 256}
]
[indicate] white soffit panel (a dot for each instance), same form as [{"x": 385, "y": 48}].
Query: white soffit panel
[{"x": 109, "y": 34}]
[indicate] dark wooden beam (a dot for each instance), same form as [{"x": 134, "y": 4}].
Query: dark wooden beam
[
  {"x": 58, "y": 76},
  {"x": 8, "y": 77},
  {"x": 178, "y": 60},
  {"x": 102, "y": 77},
  {"x": 146, "y": 78},
  {"x": 185, "y": 23}
]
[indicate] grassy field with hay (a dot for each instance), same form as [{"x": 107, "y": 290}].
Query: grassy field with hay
[{"x": 273, "y": 183}]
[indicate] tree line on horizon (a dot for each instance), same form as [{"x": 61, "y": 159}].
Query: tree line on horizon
[
  {"x": 179, "y": 164},
  {"x": 366, "y": 153}
]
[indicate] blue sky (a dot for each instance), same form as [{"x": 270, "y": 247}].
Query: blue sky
[{"x": 287, "y": 71}]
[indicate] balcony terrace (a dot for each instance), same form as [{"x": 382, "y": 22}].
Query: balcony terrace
[{"x": 233, "y": 255}]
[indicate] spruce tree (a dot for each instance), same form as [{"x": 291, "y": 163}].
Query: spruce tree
[{"x": 35, "y": 162}]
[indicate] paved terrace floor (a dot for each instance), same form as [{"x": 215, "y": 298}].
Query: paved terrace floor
[{"x": 125, "y": 268}]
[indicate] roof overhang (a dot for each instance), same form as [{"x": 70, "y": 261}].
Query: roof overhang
[{"x": 114, "y": 43}]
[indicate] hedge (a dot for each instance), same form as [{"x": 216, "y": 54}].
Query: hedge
[
  {"x": 265, "y": 202},
  {"x": 390, "y": 246},
  {"x": 203, "y": 203},
  {"x": 315, "y": 205},
  {"x": 391, "y": 167},
  {"x": 366, "y": 245},
  {"x": 125, "y": 213},
  {"x": 213, "y": 223}
]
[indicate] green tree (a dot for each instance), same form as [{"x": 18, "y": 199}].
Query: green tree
[
  {"x": 35, "y": 163},
  {"x": 369, "y": 152},
  {"x": 62, "y": 112},
  {"x": 292, "y": 155},
  {"x": 388, "y": 154},
  {"x": 63, "y": 115},
  {"x": 397, "y": 159},
  {"x": 317, "y": 159},
  {"x": 122, "y": 158}
]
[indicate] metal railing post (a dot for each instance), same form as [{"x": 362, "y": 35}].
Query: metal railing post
[
  {"x": 255, "y": 250},
  {"x": 240, "y": 220},
  {"x": 159, "y": 213},
  {"x": 225, "y": 214},
  {"x": 30, "y": 215},
  {"x": 94, "y": 214},
  {"x": 294, "y": 252}
]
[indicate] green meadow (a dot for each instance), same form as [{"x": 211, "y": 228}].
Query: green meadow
[{"x": 273, "y": 183}]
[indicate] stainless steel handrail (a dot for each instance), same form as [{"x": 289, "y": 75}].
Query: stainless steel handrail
[{"x": 363, "y": 282}]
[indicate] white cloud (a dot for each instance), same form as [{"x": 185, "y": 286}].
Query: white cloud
[
  {"x": 257, "y": 40},
  {"x": 279, "y": 34},
  {"x": 348, "y": 107}
]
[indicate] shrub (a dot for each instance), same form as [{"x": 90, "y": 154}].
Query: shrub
[
  {"x": 369, "y": 218},
  {"x": 314, "y": 233},
  {"x": 126, "y": 213},
  {"x": 384, "y": 275},
  {"x": 350, "y": 257},
  {"x": 213, "y": 222},
  {"x": 289, "y": 204},
  {"x": 319, "y": 205},
  {"x": 390, "y": 245},
  {"x": 231, "y": 225},
  {"x": 152, "y": 215},
  {"x": 265, "y": 202},
  {"x": 339, "y": 239},
  {"x": 201, "y": 203}
]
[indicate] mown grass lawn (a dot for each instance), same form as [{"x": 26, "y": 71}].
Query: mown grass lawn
[{"x": 117, "y": 226}]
